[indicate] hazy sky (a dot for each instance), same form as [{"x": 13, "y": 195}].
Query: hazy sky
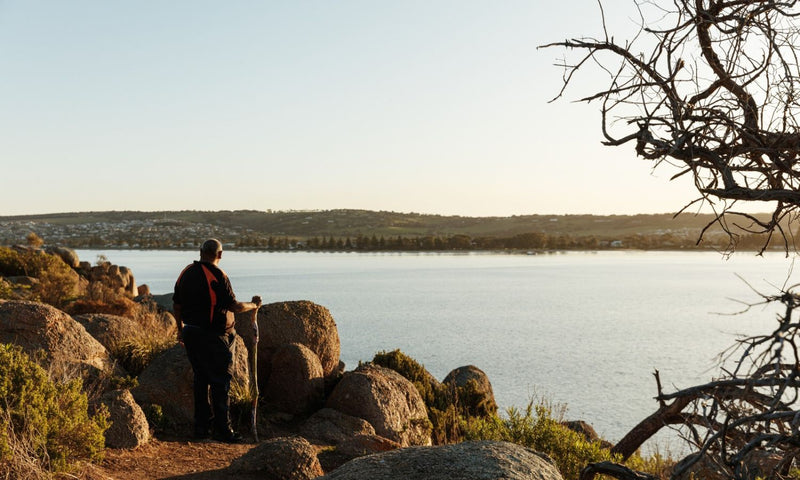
[{"x": 431, "y": 106}]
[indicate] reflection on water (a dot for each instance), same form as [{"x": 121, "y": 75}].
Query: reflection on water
[{"x": 585, "y": 329}]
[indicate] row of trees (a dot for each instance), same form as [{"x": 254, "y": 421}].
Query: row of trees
[{"x": 524, "y": 241}]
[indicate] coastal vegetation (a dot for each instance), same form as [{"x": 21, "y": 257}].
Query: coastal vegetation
[
  {"x": 56, "y": 284},
  {"x": 51, "y": 420},
  {"x": 462, "y": 413},
  {"x": 45, "y": 425}
]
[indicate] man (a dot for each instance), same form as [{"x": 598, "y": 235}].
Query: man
[{"x": 204, "y": 305}]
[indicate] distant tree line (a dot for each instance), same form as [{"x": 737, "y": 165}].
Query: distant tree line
[
  {"x": 525, "y": 241},
  {"x": 409, "y": 243}
]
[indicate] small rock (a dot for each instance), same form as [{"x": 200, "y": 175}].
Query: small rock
[
  {"x": 485, "y": 460},
  {"x": 385, "y": 399},
  {"x": 285, "y": 458},
  {"x": 129, "y": 428}
]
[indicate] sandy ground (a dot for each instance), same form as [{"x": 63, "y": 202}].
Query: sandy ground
[{"x": 169, "y": 459}]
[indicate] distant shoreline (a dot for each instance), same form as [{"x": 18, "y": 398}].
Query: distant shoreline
[{"x": 363, "y": 230}]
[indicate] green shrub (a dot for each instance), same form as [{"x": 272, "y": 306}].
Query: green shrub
[
  {"x": 431, "y": 392},
  {"x": 459, "y": 414},
  {"x": 448, "y": 406},
  {"x": 536, "y": 428},
  {"x": 58, "y": 283},
  {"x": 11, "y": 263},
  {"x": 156, "y": 418},
  {"x": 134, "y": 356},
  {"x": 42, "y": 420},
  {"x": 6, "y": 292},
  {"x": 657, "y": 464}
]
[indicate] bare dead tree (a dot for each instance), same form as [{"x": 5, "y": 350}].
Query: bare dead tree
[
  {"x": 613, "y": 469},
  {"x": 747, "y": 422},
  {"x": 716, "y": 94}
]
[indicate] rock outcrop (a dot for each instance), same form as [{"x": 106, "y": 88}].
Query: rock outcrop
[
  {"x": 302, "y": 322},
  {"x": 475, "y": 390},
  {"x": 387, "y": 400},
  {"x": 295, "y": 384},
  {"x": 68, "y": 255},
  {"x": 469, "y": 461},
  {"x": 110, "y": 330},
  {"x": 164, "y": 301},
  {"x": 129, "y": 428},
  {"x": 71, "y": 351},
  {"x": 330, "y": 427},
  {"x": 588, "y": 432},
  {"x": 117, "y": 278},
  {"x": 350, "y": 436},
  {"x": 285, "y": 458},
  {"x": 167, "y": 382},
  {"x": 363, "y": 444}
]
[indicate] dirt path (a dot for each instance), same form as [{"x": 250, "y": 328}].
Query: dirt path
[{"x": 169, "y": 459}]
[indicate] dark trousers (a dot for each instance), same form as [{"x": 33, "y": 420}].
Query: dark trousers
[{"x": 211, "y": 356}]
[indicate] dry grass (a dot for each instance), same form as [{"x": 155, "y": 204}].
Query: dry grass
[
  {"x": 19, "y": 462},
  {"x": 157, "y": 334},
  {"x": 99, "y": 298}
]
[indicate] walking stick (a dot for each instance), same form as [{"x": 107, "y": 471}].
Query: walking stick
[{"x": 254, "y": 369}]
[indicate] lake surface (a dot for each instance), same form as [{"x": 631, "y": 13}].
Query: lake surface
[{"x": 582, "y": 329}]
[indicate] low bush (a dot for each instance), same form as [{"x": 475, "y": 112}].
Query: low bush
[
  {"x": 57, "y": 283},
  {"x": 11, "y": 263},
  {"x": 448, "y": 406},
  {"x": 156, "y": 418},
  {"x": 44, "y": 425},
  {"x": 431, "y": 391},
  {"x": 154, "y": 336},
  {"x": 6, "y": 292},
  {"x": 100, "y": 298},
  {"x": 541, "y": 427},
  {"x": 537, "y": 428},
  {"x": 456, "y": 415}
]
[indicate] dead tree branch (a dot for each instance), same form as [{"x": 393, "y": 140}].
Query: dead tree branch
[
  {"x": 746, "y": 420},
  {"x": 716, "y": 93},
  {"x": 613, "y": 470}
]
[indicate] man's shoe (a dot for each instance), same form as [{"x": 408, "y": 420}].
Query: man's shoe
[{"x": 228, "y": 437}]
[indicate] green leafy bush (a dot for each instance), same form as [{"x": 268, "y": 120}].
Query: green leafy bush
[
  {"x": 448, "y": 406},
  {"x": 6, "y": 292},
  {"x": 11, "y": 262},
  {"x": 432, "y": 393},
  {"x": 41, "y": 421},
  {"x": 537, "y": 428},
  {"x": 457, "y": 414},
  {"x": 156, "y": 418},
  {"x": 58, "y": 283}
]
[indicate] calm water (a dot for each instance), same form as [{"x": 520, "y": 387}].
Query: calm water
[{"x": 583, "y": 329}]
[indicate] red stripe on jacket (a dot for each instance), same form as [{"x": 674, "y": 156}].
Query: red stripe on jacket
[{"x": 210, "y": 278}]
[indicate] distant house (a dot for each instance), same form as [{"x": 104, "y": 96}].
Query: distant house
[{"x": 616, "y": 244}]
